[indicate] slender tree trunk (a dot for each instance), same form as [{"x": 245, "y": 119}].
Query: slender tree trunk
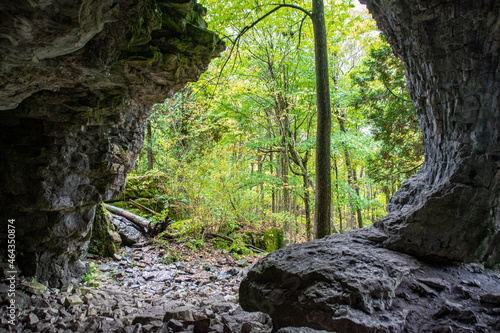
[
  {"x": 149, "y": 145},
  {"x": 387, "y": 199},
  {"x": 307, "y": 209},
  {"x": 358, "y": 211},
  {"x": 262, "y": 210},
  {"x": 287, "y": 205},
  {"x": 323, "y": 177},
  {"x": 339, "y": 209},
  {"x": 351, "y": 174},
  {"x": 295, "y": 226},
  {"x": 372, "y": 196},
  {"x": 273, "y": 191}
]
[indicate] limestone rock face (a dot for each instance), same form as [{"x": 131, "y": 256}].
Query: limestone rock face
[
  {"x": 348, "y": 283},
  {"x": 77, "y": 80},
  {"x": 450, "y": 210}
]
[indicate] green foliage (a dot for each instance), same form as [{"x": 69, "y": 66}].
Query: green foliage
[
  {"x": 195, "y": 244},
  {"x": 221, "y": 244},
  {"x": 92, "y": 274},
  {"x": 382, "y": 94},
  {"x": 238, "y": 247},
  {"x": 222, "y": 145}
]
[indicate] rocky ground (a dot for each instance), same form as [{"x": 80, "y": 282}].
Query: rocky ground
[{"x": 141, "y": 290}]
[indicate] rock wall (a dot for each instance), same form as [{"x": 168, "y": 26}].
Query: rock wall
[
  {"x": 77, "y": 80},
  {"x": 450, "y": 210}
]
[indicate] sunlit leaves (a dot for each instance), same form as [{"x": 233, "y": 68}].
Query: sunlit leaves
[
  {"x": 220, "y": 139},
  {"x": 380, "y": 90}
]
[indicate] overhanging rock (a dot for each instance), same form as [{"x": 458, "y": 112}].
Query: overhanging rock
[
  {"x": 77, "y": 81},
  {"x": 450, "y": 210}
]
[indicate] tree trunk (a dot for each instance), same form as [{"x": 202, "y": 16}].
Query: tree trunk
[
  {"x": 295, "y": 225},
  {"x": 287, "y": 205},
  {"x": 356, "y": 188},
  {"x": 351, "y": 174},
  {"x": 273, "y": 191},
  {"x": 307, "y": 209},
  {"x": 323, "y": 176},
  {"x": 261, "y": 211},
  {"x": 339, "y": 209},
  {"x": 149, "y": 145}
]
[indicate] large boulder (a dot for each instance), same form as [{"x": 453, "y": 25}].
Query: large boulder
[
  {"x": 349, "y": 283},
  {"x": 77, "y": 83}
]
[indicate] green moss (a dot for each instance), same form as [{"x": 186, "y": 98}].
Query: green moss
[
  {"x": 145, "y": 55},
  {"x": 273, "y": 239},
  {"x": 150, "y": 186},
  {"x": 172, "y": 24},
  {"x": 180, "y": 31},
  {"x": 195, "y": 18},
  {"x": 269, "y": 240},
  {"x": 200, "y": 35},
  {"x": 238, "y": 247},
  {"x": 151, "y": 18},
  {"x": 150, "y": 191},
  {"x": 104, "y": 241}
]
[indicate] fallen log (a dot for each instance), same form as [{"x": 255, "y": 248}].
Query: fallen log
[
  {"x": 137, "y": 220},
  {"x": 145, "y": 226}
]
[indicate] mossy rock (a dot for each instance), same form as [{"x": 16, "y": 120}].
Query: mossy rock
[
  {"x": 273, "y": 239},
  {"x": 239, "y": 247},
  {"x": 150, "y": 186},
  {"x": 151, "y": 192},
  {"x": 105, "y": 241},
  {"x": 269, "y": 240},
  {"x": 33, "y": 287}
]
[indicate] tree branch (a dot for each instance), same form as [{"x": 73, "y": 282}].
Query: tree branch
[
  {"x": 393, "y": 94},
  {"x": 254, "y": 23}
]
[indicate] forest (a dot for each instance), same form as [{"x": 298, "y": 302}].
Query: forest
[{"x": 237, "y": 148}]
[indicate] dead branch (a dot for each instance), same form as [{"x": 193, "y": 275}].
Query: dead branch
[{"x": 138, "y": 205}]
